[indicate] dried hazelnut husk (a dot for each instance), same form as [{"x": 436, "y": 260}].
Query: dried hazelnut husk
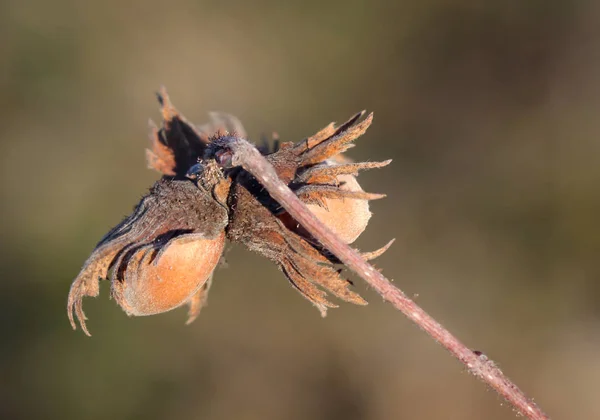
[
  {"x": 347, "y": 217},
  {"x": 314, "y": 169},
  {"x": 148, "y": 255},
  {"x": 330, "y": 188},
  {"x": 163, "y": 255}
]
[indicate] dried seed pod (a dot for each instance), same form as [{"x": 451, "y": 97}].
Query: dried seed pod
[
  {"x": 326, "y": 182},
  {"x": 346, "y": 215},
  {"x": 253, "y": 224},
  {"x": 160, "y": 256},
  {"x": 163, "y": 255}
]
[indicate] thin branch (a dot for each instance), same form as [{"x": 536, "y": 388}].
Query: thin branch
[{"x": 238, "y": 152}]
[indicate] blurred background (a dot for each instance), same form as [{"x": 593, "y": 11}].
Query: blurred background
[{"x": 490, "y": 112}]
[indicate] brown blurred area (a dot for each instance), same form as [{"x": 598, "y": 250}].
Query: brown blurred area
[{"x": 490, "y": 112}]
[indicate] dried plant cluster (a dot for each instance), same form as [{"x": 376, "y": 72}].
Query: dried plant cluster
[{"x": 163, "y": 255}]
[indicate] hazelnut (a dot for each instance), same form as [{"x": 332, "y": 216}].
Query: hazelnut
[
  {"x": 170, "y": 279},
  {"x": 346, "y": 217}
]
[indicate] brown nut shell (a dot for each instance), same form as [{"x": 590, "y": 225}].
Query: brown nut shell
[
  {"x": 177, "y": 272},
  {"x": 346, "y": 217}
]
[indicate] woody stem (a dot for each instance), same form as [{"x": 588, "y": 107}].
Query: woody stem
[{"x": 241, "y": 153}]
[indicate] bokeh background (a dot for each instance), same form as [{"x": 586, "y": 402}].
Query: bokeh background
[{"x": 490, "y": 111}]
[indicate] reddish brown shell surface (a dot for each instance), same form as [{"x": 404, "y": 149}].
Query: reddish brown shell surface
[
  {"x": 346, "y": 217},
  {"x": 172, "y": 279}
]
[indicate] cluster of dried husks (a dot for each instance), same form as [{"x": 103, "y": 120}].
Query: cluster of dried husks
[{"x": 163, "y": 255}]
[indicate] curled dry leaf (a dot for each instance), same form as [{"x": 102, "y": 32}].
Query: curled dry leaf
[{"x": 163, "y": 255}]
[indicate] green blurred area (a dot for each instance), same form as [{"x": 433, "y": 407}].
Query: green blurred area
[{"x": 490, "y": 112}]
